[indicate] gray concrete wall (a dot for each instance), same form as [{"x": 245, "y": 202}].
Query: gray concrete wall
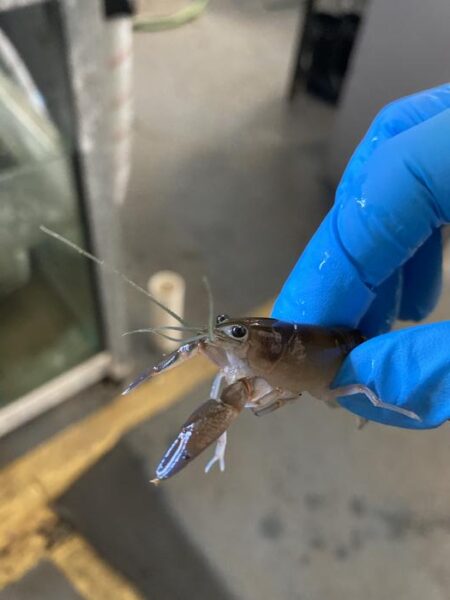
[{"x": 404, "y": 46}]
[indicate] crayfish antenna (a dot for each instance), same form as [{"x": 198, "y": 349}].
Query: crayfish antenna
[
  {"x": 104, "y": 265},
  {"x": 210, "y": 308}
]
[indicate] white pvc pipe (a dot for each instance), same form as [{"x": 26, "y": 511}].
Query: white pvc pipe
[{"x": 169, "y": 289}]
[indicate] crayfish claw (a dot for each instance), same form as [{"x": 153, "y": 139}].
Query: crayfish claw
[
  {"x": 137, "y": 382},
  {"x": 184, "y": 352},
  {"x": 205, "y": 426}
]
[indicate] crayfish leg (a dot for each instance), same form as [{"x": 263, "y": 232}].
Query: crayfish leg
[
  {"x": 273, "y": 400},
  {"x": 219, "y": 454},
  {"x": 209, "y": 422},
  {"x": 357, "y": 388}
]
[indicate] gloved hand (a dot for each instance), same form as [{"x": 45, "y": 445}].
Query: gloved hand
[{"x": 377, "y": 256}]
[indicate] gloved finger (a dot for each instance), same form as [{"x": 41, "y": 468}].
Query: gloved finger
[
  {"x": 327, "y": 285},
  {"x": 422, "y": 280},
  {"x": 407, "y": 368},
  {"x": 410, "y": 293},
  {"x": 395, "y": 118},
  {"x": 324, "y": 288},
  {"x": 404, "y": 197},
  {"x": 383, "y": 311}
]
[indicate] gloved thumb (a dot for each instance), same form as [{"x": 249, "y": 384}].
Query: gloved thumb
[{"x": 408, "y": 368}]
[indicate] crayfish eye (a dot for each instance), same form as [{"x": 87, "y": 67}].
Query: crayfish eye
[
  {"x": 221, "y": 319},
  {"x": 238, "y": 331}
]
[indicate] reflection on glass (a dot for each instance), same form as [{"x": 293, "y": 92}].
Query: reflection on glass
[{"x": 48, "y": 314}]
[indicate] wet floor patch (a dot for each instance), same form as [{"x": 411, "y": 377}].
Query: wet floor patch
[{"x": 271, "y": 526}]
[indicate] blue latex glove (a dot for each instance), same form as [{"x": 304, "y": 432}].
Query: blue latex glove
[{"x": 378, "y": 256}]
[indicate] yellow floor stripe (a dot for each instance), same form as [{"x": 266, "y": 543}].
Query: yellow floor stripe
[
  {"x": 44, "y": 473},
  {"x": 26, "y": 548},
  {"x": 47, "y": 471},
  {"x": 48, "y": 538},
  {"x": 89, "y": 575}
]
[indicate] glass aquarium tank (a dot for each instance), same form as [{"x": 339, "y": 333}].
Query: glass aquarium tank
[{"x": 49, "y": 307}]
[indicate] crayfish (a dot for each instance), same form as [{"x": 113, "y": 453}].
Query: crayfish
[{"x": 263, "y": 364}]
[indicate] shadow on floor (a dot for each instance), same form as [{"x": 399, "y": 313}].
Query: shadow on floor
[{"x": 130, "y": 525}]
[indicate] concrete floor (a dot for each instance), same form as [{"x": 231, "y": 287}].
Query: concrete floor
[
  {"x": 44, "y": 581},
  {"x": 227, "y": 181},
  {"x": 222, "y": 165},
  {"x": 309, "y": 508}
]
